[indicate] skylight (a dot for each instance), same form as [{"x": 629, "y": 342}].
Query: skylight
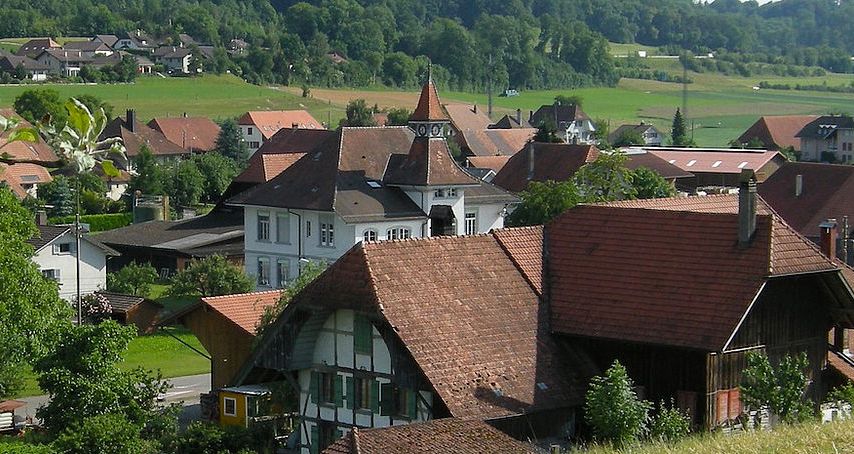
[
  {"x": 741, "y": 166},
  {"x": 374, "y": 184},
  {"x": 691, "y": 162},
  {"x": 716, "y": 164}
]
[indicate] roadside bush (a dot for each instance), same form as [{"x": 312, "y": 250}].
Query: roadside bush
[
  {"x": 98, "y": 222},
  {"x": 670, "y": 424},
  {"x": 613, "y": 409},
  {"x": 133, "y": 279},
  {"x": 109, "y": 433}
]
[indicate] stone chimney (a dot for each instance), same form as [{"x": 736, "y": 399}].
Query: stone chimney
[
  {"x": 746, "y": 207},
  {"x": 828, "y": 236},
  {"x": 41, "y": 217},
  {"x": 799, "y": 185},
  {"x": 531, "y": 161},
  {"x": 130, "y": 120}
]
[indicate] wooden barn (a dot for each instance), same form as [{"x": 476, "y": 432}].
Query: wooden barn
[{"x": 680, "y": 290}]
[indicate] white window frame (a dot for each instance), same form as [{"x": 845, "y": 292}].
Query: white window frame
[
  {"x": 326, "y": 238},
  {"x": 263, "y": 228},
  {"x": 283, "y": 220},
  {"x": 263, "y": 268},
  {"x": 225, "y": 401},
  {"x": 370, "y": 235},
  {"x": 51, "y": 273},
  {"x": 283, "y": 280},
  {"x": 471, "y": 222},
  {"x": 439, "y": 193},
  {"x": 57, "y": 249},
  {"x": 399, "y": 233},
  {"x": 451, "y": 192}
]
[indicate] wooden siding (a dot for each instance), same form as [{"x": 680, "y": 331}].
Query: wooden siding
[{"x": 228, "y": 345}]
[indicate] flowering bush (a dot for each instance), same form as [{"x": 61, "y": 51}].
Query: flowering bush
[{"x": 96, "y": 307}]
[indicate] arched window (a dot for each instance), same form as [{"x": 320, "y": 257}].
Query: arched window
[{"x": 370, "y": 235}]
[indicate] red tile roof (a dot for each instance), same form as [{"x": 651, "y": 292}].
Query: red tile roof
[
  {"x": 696, "y": 160},
  {"x": 667, "y": 170},
  {"x": 778, "y": 131},
  {"x": 243, "y": 309},
  {"x": 141, "y": 135},
  {"x": 552, "y": 161},
  {"x": 480, "y": 339},
  {"x": 488, "y": 162},
  {"x": 269, "y": 122},
  {"x": 467, "y": 117},
  {"x": 428, "y": 108},
  {"x": 840, "y": 363},
  {"x": 264, "y": 167},
  {"x": 491, "y": 142},
  {"x": 428, "y": 163},
  {"x": 17, "y": 176},
  {"x": 197, "y": 134},
  {"x": 524, "y": 245},
  {"x": 25, "y": 150},
  {"x": 657, "y": 271},
  {"x": 826, "y": 193},
  {"x": 440, "y": 436}
]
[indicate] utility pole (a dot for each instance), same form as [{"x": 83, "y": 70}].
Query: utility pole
[
  {"x": 489, "y": 88},
  {"x": 77, "y": 253}
]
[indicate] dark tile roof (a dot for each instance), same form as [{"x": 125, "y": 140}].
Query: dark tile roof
[
  {"x": 508, "y": 122},
  {"x": 47, "y": 233},
  {"x": 429, "y": 108},
  {"x": 494, "y": 163},
  {"x": 440, "y": 436},
  {"x": 123, "y": 303},
  {"x": 778, "y": 131},
  {"x": 197, "y": 134},
  {"x": 552, "y": 161},
  {"x": 87, "y": 46},
  {"x": 280, "y": 152},
  {"x": 142, "y": 135},
  {"x": 35, "y": 46},
  {"x": 657, "y": 271},
  {"x": 640, "y": 129},
  {"x": 826, "y": 193},
  {"x": 558, "y": 114},
  {"x": 109, "y": 40},
  {"x": 825, "y": 126},
  {"x": 12, "y": 62},
  {"x": 480, "y": 339},
  {"x": 428, "y": 163},
  {"x": 183, "y": 236}
]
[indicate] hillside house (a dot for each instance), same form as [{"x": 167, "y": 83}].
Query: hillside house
[
  {"x": 194, "y": 134},
  {"x": 66, "y": 63},
  {"x": 366, "y": 348},
  {"x": 650, "y": 135},
  {"x": 34, "y": 70},
  {"x": 732, "y": 277},
  {"x": 55, "y": 256},
  {"x": 36, "y": 46},
  {"x": 829, "y": 138},
  {"x": 776, "y": 132},
  {"x": 174, "y": 59},
  {"x": 260, "y": 125},
  {"x": 573, "y": 125},
  {"x": 362, "y": 184}
]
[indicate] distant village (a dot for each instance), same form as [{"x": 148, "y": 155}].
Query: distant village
[{"x": 434, "y": 323}]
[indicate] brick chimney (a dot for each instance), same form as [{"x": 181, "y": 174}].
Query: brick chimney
[
  {"x": 827, "y": 241},
  {"x": 746, "y": 207},
  {"x": 130, "y": 120},
  {"x": 799, "y": 185}
]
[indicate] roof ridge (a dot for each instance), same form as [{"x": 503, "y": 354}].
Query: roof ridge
[{"x": 235, "y": 295}]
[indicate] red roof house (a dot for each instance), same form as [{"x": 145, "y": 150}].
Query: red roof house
[
  {"x": 777, "y": 132},
  {"x": 196, "y": 134}
]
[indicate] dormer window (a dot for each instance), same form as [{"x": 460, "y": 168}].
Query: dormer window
[{"x": 444, "y": 193}]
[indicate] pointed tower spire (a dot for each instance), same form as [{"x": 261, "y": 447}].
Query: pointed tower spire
[{"x": 429, "y": 119}]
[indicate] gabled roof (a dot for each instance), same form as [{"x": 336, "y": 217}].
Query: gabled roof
[
  {"x": 778, "y": 131},
  {"x": 123, "y": 303},
  {"x": 492, "y": 142},
  {"x": 262, "y": 168},
  {"x": 508, "y": 122},
  {"x": 284, "y": 149},
  {"x": 825, "y": 126},
  {"x": 524, "y": 245},
  {"x": 480, "y": 339},
  {"x": 190, "y": 133},
  {"x": 658, "y": 271},
  {"x": 25, "y": 150},
  {"x": 428, "y": 163},
  {"x": 552, "y": 161},
  {"x": 12, "y": 62},
  {"x": 49, "y": 233},
  {"x": 465, "y": 117},
  {"x": 35, "y": 46},
  {"x": 87, "y": 46},
  {"x": 826, "y": 193},
  {"x": 66, "y": 56},
  {"x": 639, "y": 128},
  {"x": 142, "y": 135},
  {"x": 494, "y": 163},
  {"x": 17, "y": 176},
  {"x": 718, "y": 160},
  {"x": 429, "y": 108},
  {"x": 244, "y": 310},
  {"x": 109, "y": 40},
  {"x": 270, "y": 122},
  {"x": 439, "y": 436},
  {"x": 557, "y": 114}
]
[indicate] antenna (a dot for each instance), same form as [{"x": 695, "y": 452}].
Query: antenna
[
  {"x": 489, "y": 88},
  {"x": 685, "y": 86},
  {"x": 429, "y": 70}
]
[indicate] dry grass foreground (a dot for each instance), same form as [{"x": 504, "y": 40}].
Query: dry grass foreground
[{"x": 831, "y": 438}]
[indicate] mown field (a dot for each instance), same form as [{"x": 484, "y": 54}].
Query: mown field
[
  {"x": 832, "y": 438},
  {"x": 720, "y": 107}
]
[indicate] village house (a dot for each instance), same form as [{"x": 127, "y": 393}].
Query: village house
[
  {"x": 65, "y": 63},
  {"x": 134, "y": 40},
  {"x": 776, "y": 132},
  {"x": 89, "y": 48},
  {"x": 476, "y": 135},
  {"x": 14, "y": 64},
  {"x": 650, "y": 135},
  {"x": 194, "y": 134},
  {"x": 56, "y": 257},
  {"x": 259, "y": 126},
  {"x": 24, "y": 178},
  {"x": 573, "y": 125},
  {"x": 511, "y": 122},
  {"x": 137, "y": 135},
  {"x": 361, "y": 184},
  {"x": 174, "y": 59},
  {"x": 36, "y": 46},
  {"x": 829, "y": 138},
  {"x": 109, "y": 40}
]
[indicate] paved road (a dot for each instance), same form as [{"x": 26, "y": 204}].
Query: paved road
[{"x": 184, "y": 389}]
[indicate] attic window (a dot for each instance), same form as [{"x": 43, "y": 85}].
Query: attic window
[
  {"x": 672, "y": 161},
  {"x": 374, "y": 184},
  {"x": 741, "y": 166},
  {"x": 692, "y": 162},
  {"x": 716, "y": 164}
]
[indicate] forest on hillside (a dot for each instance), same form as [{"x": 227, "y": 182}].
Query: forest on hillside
[{"x": 472, "y": 43}]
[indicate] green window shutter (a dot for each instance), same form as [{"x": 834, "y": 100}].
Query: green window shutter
[
  {"x": 314, "y": 386},
  {"x": 339, "y": 390},
  {"x": 314, "y": 448},
  {"x": 350, "y": 398},
  {"x": 412, "y": 397},
  {"x": 362, "y": 335},
  {"x": 375, "y": 396},
  {"x": 387, "y": 400}
]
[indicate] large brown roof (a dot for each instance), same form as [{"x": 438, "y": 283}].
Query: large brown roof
[
  {"x": 491, "y": 142},
  {"x": 524, "y": 245},
  {"x": 185, "y": 236},
  {"x": 657, "y": 271},
  {"x": 552, "y": 161},
  {"x": 270, "y": 122},
  {"x": 244, "y": 310},
  {"x": 778, "y": 131},
  {"x": 262, "y": 167},
  {"x": 698, "y": 160},
  {"x": 196, "y": 134},
  {"x": 428, "y": 163},
  {"x": 494, "y": 163},
  {"x": 141, "y": 135},
  {"x": 467, "y": 117},
  {"x": 440, "y": 436},
  {"x": 826, "y": 193},
  {"x": 650, "y": 161},
  {"x": 428, "y": 108},
  {"x": 480, "y": 339}
]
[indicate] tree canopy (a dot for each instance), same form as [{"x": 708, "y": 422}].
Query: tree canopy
[{"x": 211, "y": 276}]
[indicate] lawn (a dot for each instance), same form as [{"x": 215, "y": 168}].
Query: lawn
[{"x": 832, "y": 438}]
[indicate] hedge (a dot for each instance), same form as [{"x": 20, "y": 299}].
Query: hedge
[{"x": 98, "y": 222}]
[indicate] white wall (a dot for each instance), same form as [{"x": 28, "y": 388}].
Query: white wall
[
  {"x": 93, "y": 266},
  {"x": 250, "y": 138},
  {"x": 488, "y": 216},
  {"x": 335, "y": 347}
]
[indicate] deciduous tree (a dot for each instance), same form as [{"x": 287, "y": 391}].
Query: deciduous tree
[{"x": 211, "y": 276}]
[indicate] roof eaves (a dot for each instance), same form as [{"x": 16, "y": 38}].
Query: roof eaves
[{"x": 744, "y": 316}]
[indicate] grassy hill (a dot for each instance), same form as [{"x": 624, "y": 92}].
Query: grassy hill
[{"x": 832, "y": 438}]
